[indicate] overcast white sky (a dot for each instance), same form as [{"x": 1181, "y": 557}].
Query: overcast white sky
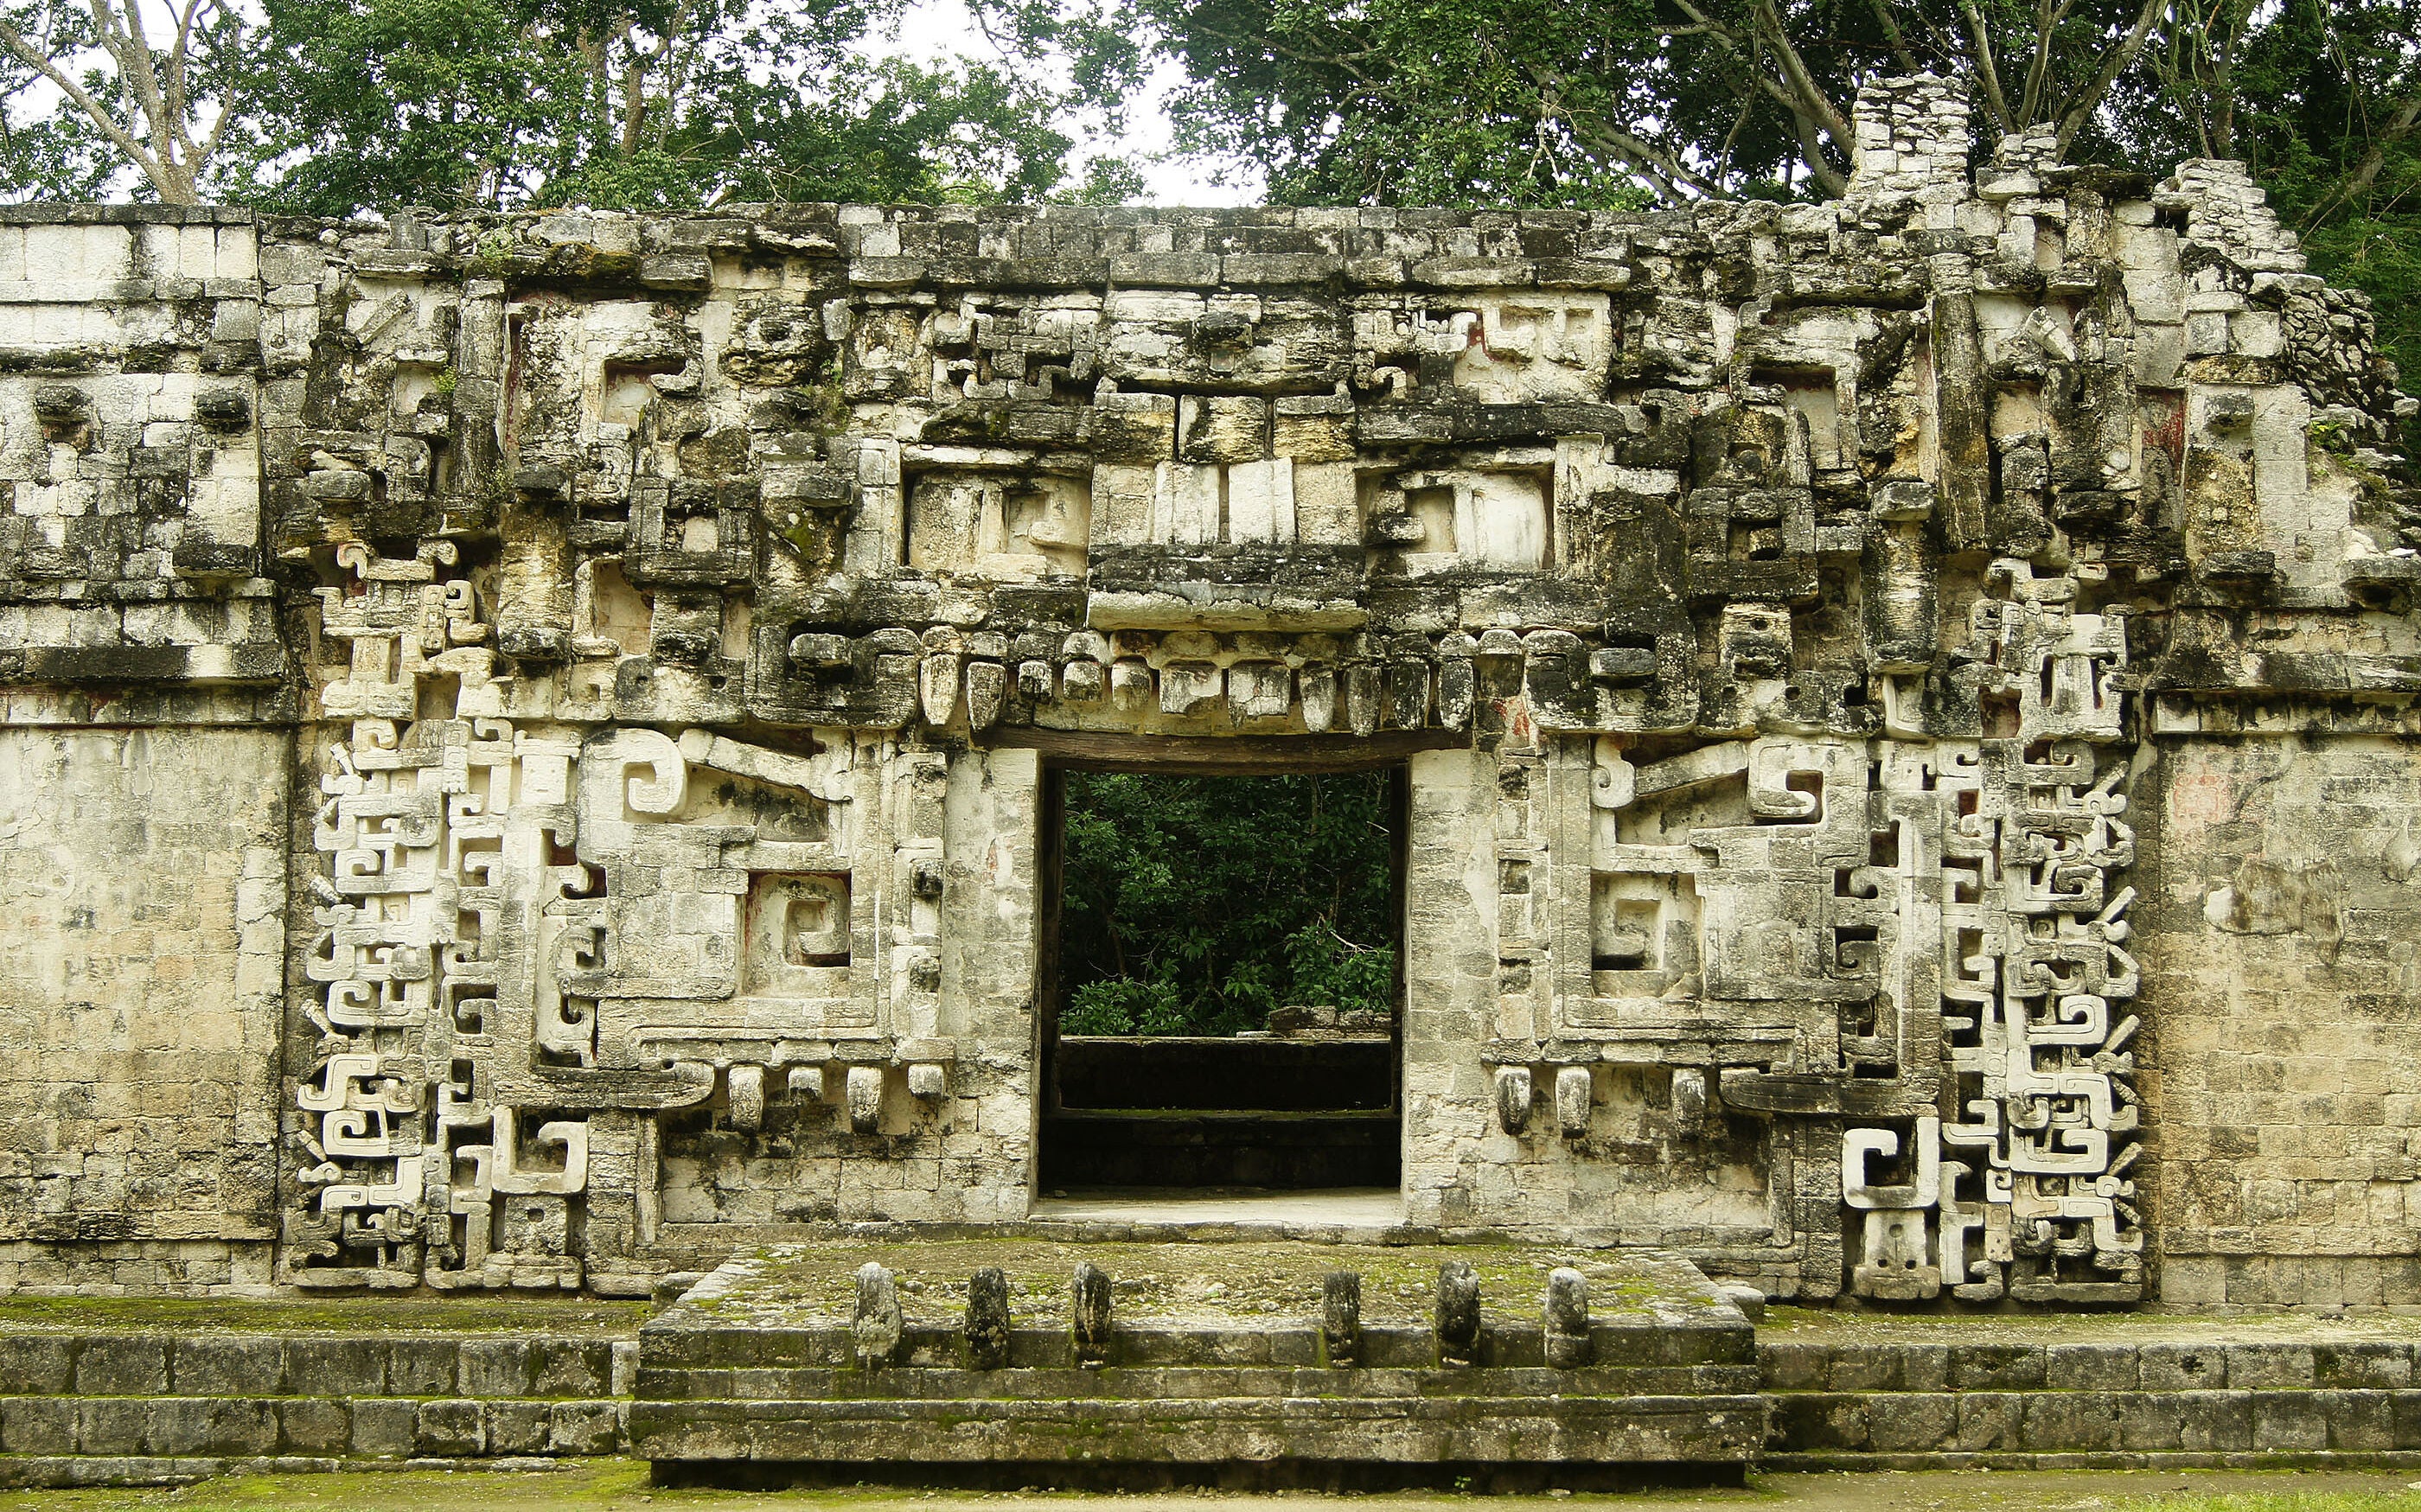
[{"x": 943, "y": 28}]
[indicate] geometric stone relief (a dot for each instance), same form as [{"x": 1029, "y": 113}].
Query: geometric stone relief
[{"x": 1771, "y": 607}]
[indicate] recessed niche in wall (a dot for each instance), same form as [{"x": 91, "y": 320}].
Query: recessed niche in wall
[
  {"x": 796, "y": 940},
  {"x": 999, "y": 524},
  {"x": 1491, "y": 512},
  {"x": 1643, "y": 931}
]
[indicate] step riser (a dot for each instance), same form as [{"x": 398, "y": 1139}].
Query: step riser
[
  {"x": 1525, "y": 1431},
  {"x": 1501, "y": 1346},
  {"x": 2094, "y": 1422},
  {"x": 1185, "y": 1382},
  {"x": 260, "y": 1425},
  {"x": 150, "y": 1364}
]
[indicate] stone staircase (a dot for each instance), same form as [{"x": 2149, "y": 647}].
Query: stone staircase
[
  {"x": 156, "y": 1406},
  {"x": 2203, "y": 1400},
  {"x": 787, "y": 1367}
]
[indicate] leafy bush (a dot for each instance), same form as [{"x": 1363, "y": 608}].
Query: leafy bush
[{"x": 1196, "y": 905}]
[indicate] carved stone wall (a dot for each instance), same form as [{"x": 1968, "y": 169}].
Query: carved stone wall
[{"x": 656, "y": 635}]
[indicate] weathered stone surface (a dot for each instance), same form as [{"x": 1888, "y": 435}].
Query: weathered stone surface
[
  {"x": 1868, "y": 673},
  {"x": 988, "y": 1319},
  {"x": 756, "y": 1364}
]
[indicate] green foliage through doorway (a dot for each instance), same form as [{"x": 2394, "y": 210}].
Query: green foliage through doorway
[{"x": 1197, "y": 904}]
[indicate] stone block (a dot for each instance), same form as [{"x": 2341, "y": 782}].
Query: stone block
[
  {"x": 36, "y": 1365},
  {"x": 1991, "y": 1421},
  {"x": 314, "y": 1426},
  {"x": 115, "y": 1425},
  {"x": 2358, "y": 1421},
  {"x": 122, "y": 1364},
  {"x": 1996, "y": 1368},
  {"x": 2175, "y": 1366},
  {"x": 2271, "y": 1366},
  {"x": 1790, "y": 1366},
  {"x": 2090, "y": 1367},
  {"x": 335, "y": 1367},
  {"x": 385, "y": 1425},
  {"x": 2292, "y": 1420},
  {"x": 38, "y": 1426},
  {"x": 585, "y": 1429},
  {"x": 2215, "y": 1421},
  {"x": 496, "y": 1367},
  {"x": 449, "y": 1428},
  {"x": 2372, "y": 1365},
  {"x": 518, "y": 1427},
  {"x": 1870, "y": 1367},
  {"x": 421, "y": 1367},
  {"x": 1814, "y": 1422},
  {"x": 2152, "y": 1421},
  {"x": 1912, "y": 1423},
  {"x": 211, "y": 1365},
  {"x": 2071, "y": 1422},
  {"x": 571, "y": 1367}
]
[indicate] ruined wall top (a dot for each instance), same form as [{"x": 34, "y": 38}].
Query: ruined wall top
[{"x": 1041, "y": 422}]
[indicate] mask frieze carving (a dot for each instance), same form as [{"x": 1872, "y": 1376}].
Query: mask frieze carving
[{"x": 1772, "y": 610}]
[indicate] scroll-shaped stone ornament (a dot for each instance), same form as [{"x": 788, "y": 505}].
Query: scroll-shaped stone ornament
[
  {"x": 506, "y": 1175},
  {"x": 876, "y": 1327},
  {"x": 1455, "y": 680},
  {"x": 1575, "y": 1091},
  {"x": 987, "y": 690},
  {"x": 938, "y": 678},
  {"x": 987, "y": 1328},
  {"x": 1088, "y": 1313},
  {"x": 1691, "y": 1111},
  {"x": 745, "y": 1087},
  {"x": 1513, "y": 1092},
  {"x": 1340, "y": 1316},
  {"x": 1569, "y": 1344},
  {"x": 864, "y": 1094},
  {"x": 1458, "y": 1313},
  {"x": 1858, "y": 1144}
]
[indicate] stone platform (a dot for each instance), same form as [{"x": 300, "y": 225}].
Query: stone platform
[{"x": 1233, "y": 1362}]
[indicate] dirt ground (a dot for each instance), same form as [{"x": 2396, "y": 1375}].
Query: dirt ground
[{"x": 622, "y": 1487}]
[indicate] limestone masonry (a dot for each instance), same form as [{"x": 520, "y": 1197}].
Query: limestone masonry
[{"x": 530, "y": 742}]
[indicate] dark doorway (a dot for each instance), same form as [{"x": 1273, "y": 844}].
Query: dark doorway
[{"x": 1223, "y": 980}]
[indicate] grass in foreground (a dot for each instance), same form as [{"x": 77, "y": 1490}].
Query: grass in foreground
[{"x": 622, "y": 1485}]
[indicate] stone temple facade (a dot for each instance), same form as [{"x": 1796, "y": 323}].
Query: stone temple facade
[{"x": 530, "y": 742}]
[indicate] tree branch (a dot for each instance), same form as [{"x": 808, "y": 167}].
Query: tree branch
[
  {"x": 2114, "y": 61},
  {"x": 40, "y": 62},
  {"x": 1980, "y": 39},
  {"x": 2365, "y": 172},
  {"x": 1899, "y": 43}
]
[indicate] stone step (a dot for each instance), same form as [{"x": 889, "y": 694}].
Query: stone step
[
  {"x": 1851, "y": 1427},
  {"x": 383, "y": 1427},
  {"x": 1048, "y": 1432},
  {"x": 160, "y": 1362},
  {"x": 1638, "y": 1345},
  {"x": 2205, "y": 1364},
  {"x": 1167, "y": 1382},
  {"x": 798, "y": 1358}
]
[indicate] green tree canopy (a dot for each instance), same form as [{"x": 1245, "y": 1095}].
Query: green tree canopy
[
  {"x": 329, "y": 107},
  {"x": 1196, "y": 905},
  {"x": 1624, "y": 103},
  {"x": 669, "y": 102}
]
